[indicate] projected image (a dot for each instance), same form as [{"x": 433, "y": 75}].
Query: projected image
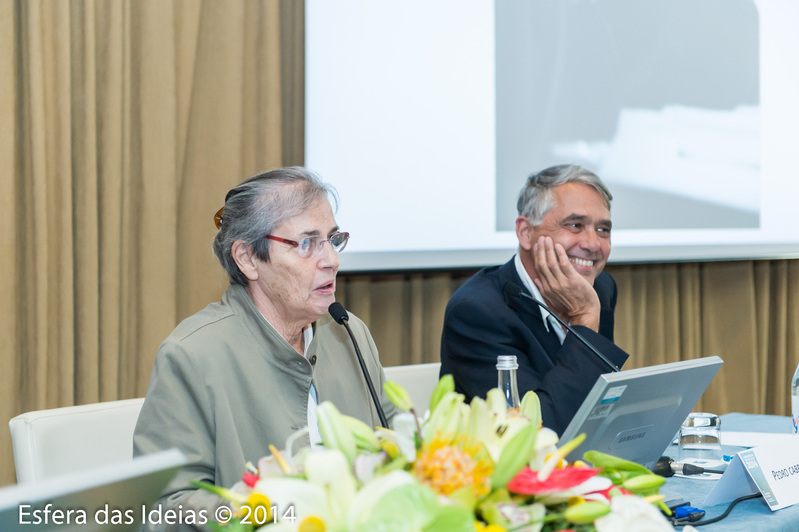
[{"x": 659, "y": 98}]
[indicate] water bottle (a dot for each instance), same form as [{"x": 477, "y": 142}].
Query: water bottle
[
  {"x": 506, "y": 379},
  {"x": 795, "y": 401}
]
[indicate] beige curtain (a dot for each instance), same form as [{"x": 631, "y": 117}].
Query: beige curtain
[
  {"x": 743, "y": 311},
  {"x": 124, "y": 125}
]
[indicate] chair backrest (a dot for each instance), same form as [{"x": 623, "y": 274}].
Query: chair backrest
[
  {"x": 49, "y": 443},
  {"x": 419, "y": 379}
]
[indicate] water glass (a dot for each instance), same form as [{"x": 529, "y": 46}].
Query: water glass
[{"x": 700, "y": 437}]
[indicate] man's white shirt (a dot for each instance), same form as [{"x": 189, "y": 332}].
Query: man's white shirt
[{"x": 533, "y": 289}]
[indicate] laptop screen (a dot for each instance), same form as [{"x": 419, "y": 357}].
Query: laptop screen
[
  {"x": 109, "y": 497},
  {"x": 635, "y": 414}
]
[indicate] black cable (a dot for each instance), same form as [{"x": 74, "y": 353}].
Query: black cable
[{"x": 680, "y": 522}]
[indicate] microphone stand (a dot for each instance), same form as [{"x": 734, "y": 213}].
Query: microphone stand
[
  {"x": 343, "y": 319},
  {"x": 513, "y": 289}
]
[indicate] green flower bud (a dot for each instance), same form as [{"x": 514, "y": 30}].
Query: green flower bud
[
  {"x": 612, "y": 463},
  {"x": 586, "y": 512},
  {"x": 364, "y": 436},
  {"x": 334, "y": 431},
  {"x": 446, "y": 384},
  {"x": 531, "y": 407},
  {"x": 398, "y": 395},
  {"x": 647, "y": 484}
]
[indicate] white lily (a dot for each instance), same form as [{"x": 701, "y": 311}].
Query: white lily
[
  {"x": 480, "y": 422},
  {"x": 330, "y": 470},
  {"x": 366, "y": 465},
  {"x": 502, "y": 424},
  {"x": 299, "y": 497},
  {"x": 401, "y": 439},
  {"x": 628, "y": 512},
  {"x": 545, "y": 445},
  {"x": 496, "y": 402},
  {"x": 325, "y": 494},
  {"x": 449, "y": 418}
]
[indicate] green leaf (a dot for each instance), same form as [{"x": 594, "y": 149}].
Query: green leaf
[
  {"x": 452, "y": 519},
  {"x": 408, "y": 506},
  {"x": 515, "y": 455}
]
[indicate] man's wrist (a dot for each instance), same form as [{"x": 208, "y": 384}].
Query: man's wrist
[{"x": 589, "y": 319}]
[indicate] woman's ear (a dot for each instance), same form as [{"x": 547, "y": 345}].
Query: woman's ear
[{"x": 245, "y": 259}]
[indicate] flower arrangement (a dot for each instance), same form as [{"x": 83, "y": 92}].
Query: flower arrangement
[{"x": 477, "y": 467}]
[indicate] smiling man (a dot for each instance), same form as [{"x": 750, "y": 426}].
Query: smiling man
[{"x": 563, "y": 230}]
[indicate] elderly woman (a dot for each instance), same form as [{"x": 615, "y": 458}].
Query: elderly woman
[{"x": 249, "y": 371}]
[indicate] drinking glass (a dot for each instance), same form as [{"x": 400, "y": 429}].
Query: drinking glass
[{"x": 700, "y": 437}]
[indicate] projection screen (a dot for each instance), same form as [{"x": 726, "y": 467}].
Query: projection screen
[{"x": 428, "y": 115}]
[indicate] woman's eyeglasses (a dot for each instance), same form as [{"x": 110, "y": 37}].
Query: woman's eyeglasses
[
  {"x": 310, "y": 246},
  {"x": 307, "y": 247}
]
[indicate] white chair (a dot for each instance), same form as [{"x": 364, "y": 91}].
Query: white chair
[
  {"x": 419, "y": 379},
  {"x": 49, "y": 443}
]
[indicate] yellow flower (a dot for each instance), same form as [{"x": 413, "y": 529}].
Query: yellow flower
[
  {"x": 447, "y": 466},
  {"x": 312, "y": 524},
  {"x": 257, "y": 508}
]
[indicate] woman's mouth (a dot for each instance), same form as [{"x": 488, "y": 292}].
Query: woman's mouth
[{"x": 327, "y": 288}]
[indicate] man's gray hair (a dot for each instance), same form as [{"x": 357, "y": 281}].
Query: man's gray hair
[
  {"x": 259, "y": 205},
  {"x": 536, "y": 198}
]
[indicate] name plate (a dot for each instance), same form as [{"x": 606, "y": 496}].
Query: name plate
[{"x": 771, "y": 469}]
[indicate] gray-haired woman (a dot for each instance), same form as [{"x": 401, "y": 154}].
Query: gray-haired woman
[{"x": 248, "y": 371}]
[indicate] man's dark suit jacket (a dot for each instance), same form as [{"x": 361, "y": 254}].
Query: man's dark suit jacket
[{"x": 482, "y": 322}]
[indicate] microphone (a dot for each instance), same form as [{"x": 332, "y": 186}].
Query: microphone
[
  {"x": 339, "y": 314},
  {"x": 667, "y": 467},
  {"x": 513, "y": 290}
]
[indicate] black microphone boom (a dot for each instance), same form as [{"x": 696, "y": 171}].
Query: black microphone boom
[
  {"x": 512, "y": 289},
  {"x": 339, "y": 314}
]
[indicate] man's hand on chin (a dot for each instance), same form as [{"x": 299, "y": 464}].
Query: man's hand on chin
[{"x": 565, "y": 291}]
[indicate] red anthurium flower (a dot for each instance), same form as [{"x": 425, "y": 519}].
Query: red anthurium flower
[
  {"x": 526, "y": 481},
  {"x": 250, "y": 479}
]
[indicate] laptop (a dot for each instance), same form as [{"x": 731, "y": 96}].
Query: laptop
[
  {"x": 635, "y": 414},
  {"x": 109, "y": 497}
]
